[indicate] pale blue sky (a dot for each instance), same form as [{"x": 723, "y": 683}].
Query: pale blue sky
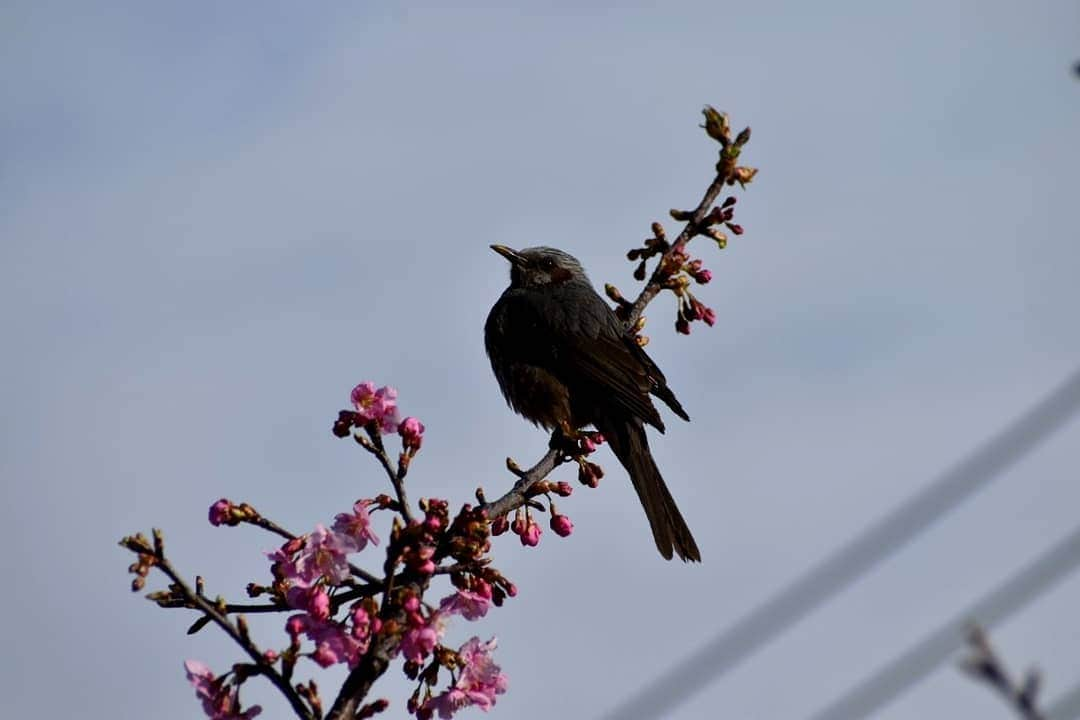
[{"x": 216, "y": 219}]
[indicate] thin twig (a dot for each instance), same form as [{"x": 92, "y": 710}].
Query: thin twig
[
  {"x": 693, "y": 226},
  {"x": 373, "y": 444},
  {"x": 241, "y": 639},
  {"x": 984, "y": 664}
]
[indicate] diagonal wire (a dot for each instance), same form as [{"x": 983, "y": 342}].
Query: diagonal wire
[
  {"x": 915, "y": 664},
  {"x": 839, "y": 570}
]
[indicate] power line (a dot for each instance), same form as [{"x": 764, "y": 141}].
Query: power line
[
  {"x": 920, "y": 660},
  {"x": 836, "y": 572}
]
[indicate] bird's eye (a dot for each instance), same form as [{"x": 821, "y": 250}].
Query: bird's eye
[{"x": 547, "y": 264}]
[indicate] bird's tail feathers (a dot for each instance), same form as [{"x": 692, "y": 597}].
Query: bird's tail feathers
[{"x": 630, "y": 444}]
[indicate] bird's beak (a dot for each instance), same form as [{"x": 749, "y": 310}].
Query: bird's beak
[{"x": 511, "y": 255}]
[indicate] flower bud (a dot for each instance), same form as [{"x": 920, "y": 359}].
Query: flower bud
[
  {"x": 221, "y": 513},
  {"x": 561, "y": 525},
  {"x": 531, "y": 536},
  {"x": 716, "y": 125}
]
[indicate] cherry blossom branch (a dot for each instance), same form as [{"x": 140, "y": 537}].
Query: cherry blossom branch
[
  {"x": 154, "y": 556},
  {"x": 983, "y": 664},
  {"x": 314, "y": 579},
  {"x": 518, "y": 495},
  {"x": 373, "y": 444}
]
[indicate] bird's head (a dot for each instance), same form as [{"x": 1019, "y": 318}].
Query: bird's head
[{"x": 541, "y": 267}]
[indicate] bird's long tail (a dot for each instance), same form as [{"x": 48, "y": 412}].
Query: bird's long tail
[{"x": 631, "y": 446}]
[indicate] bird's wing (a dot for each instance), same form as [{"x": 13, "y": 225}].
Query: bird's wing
[{"x": 580, "y": 345}]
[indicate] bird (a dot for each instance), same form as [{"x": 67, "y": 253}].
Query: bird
[{"x": 564, "y": 361}]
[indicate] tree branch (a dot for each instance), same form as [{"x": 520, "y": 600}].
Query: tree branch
[
  {"x": 984, "y": 664},
  {"x": 237, "y": 632}
]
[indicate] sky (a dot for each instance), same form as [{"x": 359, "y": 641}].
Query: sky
[{"x": 215, "y": 219}]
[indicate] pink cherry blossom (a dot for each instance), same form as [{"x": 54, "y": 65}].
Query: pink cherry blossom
[
  {"x": 323, "y": 555},
  {"x": 420, "y": 638},
  {"x": 220, "y": 512},
  {"x": 479, "y": 681},
  {"x": 357, "y": 525},
  {"x": 411, "y": 431},
  {"x": 470, "y": 605},
  {"x": 481, "y": 678},
  {"x": 379, "y": 406},
  {"x": 333, "y": 643},
  {"x": 219, "y": 700}
]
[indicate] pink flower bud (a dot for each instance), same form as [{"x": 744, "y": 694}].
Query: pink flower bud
[
  {"x": 561, "y": 525},
  {"x": 737, "y": 229},
  {"x": 499, "y": 525},
  {"x": 295, "y": 625},
  {"x": 518, "y": 526},
  {"x": 270, "y": 656},
  {"x": 709, "y": 316},
  {"x": 703, "y": 276},
  {"x": 531, "y": 536},
  {"x": 563, "y": 489},
  {"x": 411, "y": 431},
  {"x": 411, "y": 604},
  {"x": 682, "y": 326},
  {"x": 221, "y": 513}
]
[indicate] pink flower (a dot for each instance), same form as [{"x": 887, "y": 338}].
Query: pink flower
[
  {"x": 333, "y": 644},
  {"x": 420, "y": 638},
  {"x": 470, "y": 605},
  {"x": 561, "y": 524},
  {"x": 481, "y": 678},
  {"x": 201, "y": 678},
  {"x": 357, "y": 525},
  {"x": 221, "y": 512},
  {"x": 219, "y": 700},
  {"x": 479, "y": 681},
  {"x": 379, "y": 406},
  {"x": 411, "y": 431},
  {"x": 323, "y": 555}
]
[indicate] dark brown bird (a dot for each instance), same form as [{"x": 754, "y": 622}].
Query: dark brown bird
[{"x": 564, "y": 361}]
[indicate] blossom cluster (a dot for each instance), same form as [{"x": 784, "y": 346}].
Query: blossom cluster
[{"x": 376, "y": 409}]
